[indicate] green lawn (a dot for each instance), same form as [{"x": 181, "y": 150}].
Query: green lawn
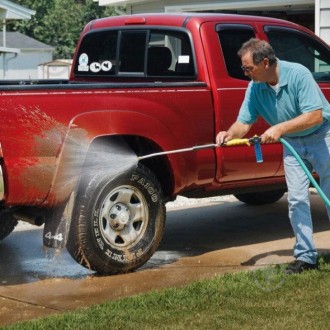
[{"x": 261, "y": 299}]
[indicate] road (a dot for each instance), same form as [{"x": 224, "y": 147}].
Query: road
[{"x": 203, "y": 238}]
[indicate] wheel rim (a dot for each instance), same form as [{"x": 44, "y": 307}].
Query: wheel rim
[{"x": 124, "y": 217}]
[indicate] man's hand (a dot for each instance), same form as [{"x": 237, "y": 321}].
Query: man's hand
[
  {"x": 272, "y": 134},
  {"x": 236, "y": 131},
  {"x": 222, "y": 138}
]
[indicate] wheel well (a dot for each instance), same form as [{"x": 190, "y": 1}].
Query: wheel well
[{"x": 160, "y": 165}]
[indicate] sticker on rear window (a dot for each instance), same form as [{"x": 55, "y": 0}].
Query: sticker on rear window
[
  {"x": 83, "y": 59},
  {"x": 84, "y": 68},
  {"x": 95, "y": 67},
  {"x": 83, "y": 62},
  {"x": 184, "y": 59},
  {"x": 106, "y": 66}
]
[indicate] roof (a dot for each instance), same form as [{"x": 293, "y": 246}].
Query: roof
[
  {"x": 63, "y": 62},
  {"x": 21, "y": 41},
  {"x": 10, "y": 10}
]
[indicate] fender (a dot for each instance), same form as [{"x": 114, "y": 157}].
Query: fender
[{"x": 86, "y": 127}]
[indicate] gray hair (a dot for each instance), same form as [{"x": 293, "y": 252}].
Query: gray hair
[{"x": 259, "y": 49}]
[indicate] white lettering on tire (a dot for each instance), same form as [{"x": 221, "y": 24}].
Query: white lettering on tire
[{"x": 147, "y": 186}]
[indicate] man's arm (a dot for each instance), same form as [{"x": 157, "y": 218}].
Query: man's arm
[
  {"x": 236, "y": 131},
  {"x": 300, "y": 123}
]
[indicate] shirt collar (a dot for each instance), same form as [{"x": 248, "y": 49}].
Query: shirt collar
[{"x": 283, "y": 76}]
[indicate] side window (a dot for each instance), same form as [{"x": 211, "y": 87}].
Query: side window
[
  {"x": 295, "y": 46},
  {"x": 136, "y": 53},
  {"x": 231, "y": 37}
]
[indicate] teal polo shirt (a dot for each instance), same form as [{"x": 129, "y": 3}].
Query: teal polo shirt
[{"x": 298, "y": 94}]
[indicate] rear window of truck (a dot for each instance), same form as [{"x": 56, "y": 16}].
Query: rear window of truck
[
  {"x": 296, "y": 46},
  {"x": 136, "y": 53}
]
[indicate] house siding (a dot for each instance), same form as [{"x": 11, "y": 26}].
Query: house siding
[
  {"x": 153, "y": 7},
  {"x": 160, "y": 6},
  {"x": 204, "y": 5},
  {"x": 24, "y": 65},
  {"x": 324, "y": 27}
]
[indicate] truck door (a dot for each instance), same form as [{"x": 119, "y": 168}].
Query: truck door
[{"x": 229, "y": 85}]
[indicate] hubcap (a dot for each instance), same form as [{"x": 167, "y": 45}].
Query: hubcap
[
  {"x": 119, "y": 216},
  {"x": 124, "y": 217}
]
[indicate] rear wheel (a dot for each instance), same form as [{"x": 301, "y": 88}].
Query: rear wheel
[
  {"x": 261, "y": 197},
  {"x": 117, "y": 224},
  {"x": 7, "y": 223}
]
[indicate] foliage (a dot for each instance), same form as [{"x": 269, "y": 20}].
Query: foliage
[{"x": 59, "y": 22}]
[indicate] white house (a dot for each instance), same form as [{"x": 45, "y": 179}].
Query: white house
[
  {"x": 23, "y": 56},
  {"x": 20, "y": 55},
  {"x": 314, "y": 14}
]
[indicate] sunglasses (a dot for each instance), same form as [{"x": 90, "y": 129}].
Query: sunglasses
[{"x": 247, "y": 68}]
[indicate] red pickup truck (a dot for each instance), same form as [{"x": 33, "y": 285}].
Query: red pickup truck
[{"x": 140, "y": 84}]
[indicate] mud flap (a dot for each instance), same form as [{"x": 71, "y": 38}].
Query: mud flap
[{"x": 56, "y": 228}]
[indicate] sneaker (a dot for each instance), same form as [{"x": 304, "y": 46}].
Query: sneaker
[{"x": 298, "y": 266}]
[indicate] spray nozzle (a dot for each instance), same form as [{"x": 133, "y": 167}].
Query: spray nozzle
[{"x": 255, "y": 141}]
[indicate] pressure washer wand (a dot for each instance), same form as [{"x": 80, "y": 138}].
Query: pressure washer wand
[
  {"x": 255, "y": 141},
  {"x": 205, "y": 146}
]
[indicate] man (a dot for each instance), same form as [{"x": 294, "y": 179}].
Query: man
[{"x": 288, "y": 98}]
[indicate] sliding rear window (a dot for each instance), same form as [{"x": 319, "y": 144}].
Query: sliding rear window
[{"x": 136, "y": 53}]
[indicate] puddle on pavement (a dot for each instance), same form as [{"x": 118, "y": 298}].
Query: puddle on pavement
[{"x": 45, "y": 263}]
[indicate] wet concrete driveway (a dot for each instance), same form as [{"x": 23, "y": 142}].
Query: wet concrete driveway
[{"x": 203, "y": 238}]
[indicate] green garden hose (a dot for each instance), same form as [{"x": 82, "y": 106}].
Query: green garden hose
[{"x": 308, "y": 173}]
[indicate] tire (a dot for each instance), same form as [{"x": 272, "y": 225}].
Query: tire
[
  {"x": 7, "y": 224},
  {"x": 117, "y": 223},
  {"x": 261, "y": 197}
]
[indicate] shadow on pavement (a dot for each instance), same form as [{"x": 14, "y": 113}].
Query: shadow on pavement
[
  {"x": 280, "y": 253},
  {"x": 223, "y": 225}
]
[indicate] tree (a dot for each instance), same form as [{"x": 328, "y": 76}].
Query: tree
[
  {"x": 62, "y": 27},
  {"x": 59, "y": 22},
  {"x": 34, "y": 26}
]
